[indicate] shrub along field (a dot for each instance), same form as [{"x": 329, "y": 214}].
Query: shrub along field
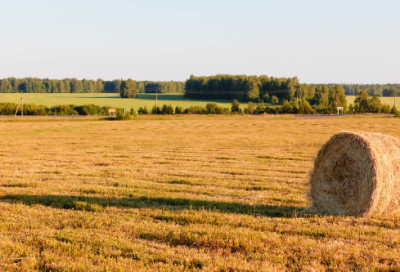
[
  {"x": 107, "y": 100},
  {"x": 220, "y": 193}
]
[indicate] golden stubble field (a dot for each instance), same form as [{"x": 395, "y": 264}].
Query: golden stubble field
[{"x": 179, "y": 194}]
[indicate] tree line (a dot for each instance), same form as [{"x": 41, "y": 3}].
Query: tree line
[
  {"x": 285, "y": 95},
  {"x": 130, "y": 88},
  {"x": 326, "y": 99},
  {"x": 362, "y": 104},
  {"x": 33, "y": 109},
  {"x": 263, "y": 89},
  {"x": 370, "y": 89},
  {"x": 90, "y": 109},
  {"x": 289, "y": 94},
  {"x": 213, "y": 87},
  {"x": 73, "y": 85},
  {"x": 240, "y": 87}
]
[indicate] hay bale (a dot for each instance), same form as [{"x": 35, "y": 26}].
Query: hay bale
[{"x": 357, "y": 174}]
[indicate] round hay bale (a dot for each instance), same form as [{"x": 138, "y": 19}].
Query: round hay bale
[{"x": 357, "y": 174}]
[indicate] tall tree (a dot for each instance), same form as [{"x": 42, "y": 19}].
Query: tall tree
[
  {"x": 337, "y": 98},
  {"x": 362, "y": 102},
  {"x": 128, "y": 89},
  {"x": 5, "y": 86},
  {"x": 252, "y": 88},
  {"x": 99, "y": 86},
  {"x": 117, "y": 85},
  {"x": 320, "y": 98},
  {"x": 76, "y": 86}
]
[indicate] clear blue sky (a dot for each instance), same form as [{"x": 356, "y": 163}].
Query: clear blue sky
[{"x": 318, "y": 41}]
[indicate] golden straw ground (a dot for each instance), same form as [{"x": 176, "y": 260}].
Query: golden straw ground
[{"x": 178, "y": 194}]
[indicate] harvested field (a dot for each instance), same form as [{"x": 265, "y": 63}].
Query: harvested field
[{"x": 177, "y": 194}]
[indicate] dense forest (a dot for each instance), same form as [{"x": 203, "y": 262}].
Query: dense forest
[
  {"x": 264, "y": 89},
  {"x": 241, "y": 87},
  {"x": 213, "y": 87},
  {"x": 288, "y": 92},
  {"x": 73, "y": 85},
  {"x": 161, "y": 86}
]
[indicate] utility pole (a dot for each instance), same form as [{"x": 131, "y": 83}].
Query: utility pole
[
  {"x": 297, "y": 97},
  {"x": 156, "y": 98},
  {"x": 21, "y": 103}
]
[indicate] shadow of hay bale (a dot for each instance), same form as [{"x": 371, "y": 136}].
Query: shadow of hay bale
[{"x": 97, "y": 204}]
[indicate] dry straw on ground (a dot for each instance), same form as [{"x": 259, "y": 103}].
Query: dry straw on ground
[
  {"x": 357, "y": 174},
  {"x": 187, "y": 193}
]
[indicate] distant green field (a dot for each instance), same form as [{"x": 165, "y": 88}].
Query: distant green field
[
  {"x": 107, "y": 99},
  {"x": 385, "y": 100},
  {"x": 114, "y": 100}
]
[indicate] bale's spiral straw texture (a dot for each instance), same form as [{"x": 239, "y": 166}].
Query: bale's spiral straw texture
[{"x": 357, "y": 174}]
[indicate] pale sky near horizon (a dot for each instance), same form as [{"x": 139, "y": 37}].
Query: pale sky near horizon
[{"x": 332, "y": 41}]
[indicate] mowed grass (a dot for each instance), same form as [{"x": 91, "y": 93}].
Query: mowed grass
[
  {"x": 108, "y": 99},
  {"x": 179, "y": 194},
  {"x": 384, "y": 100}
]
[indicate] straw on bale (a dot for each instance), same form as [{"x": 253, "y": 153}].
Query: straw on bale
[{"x": 357, "y": 174}]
